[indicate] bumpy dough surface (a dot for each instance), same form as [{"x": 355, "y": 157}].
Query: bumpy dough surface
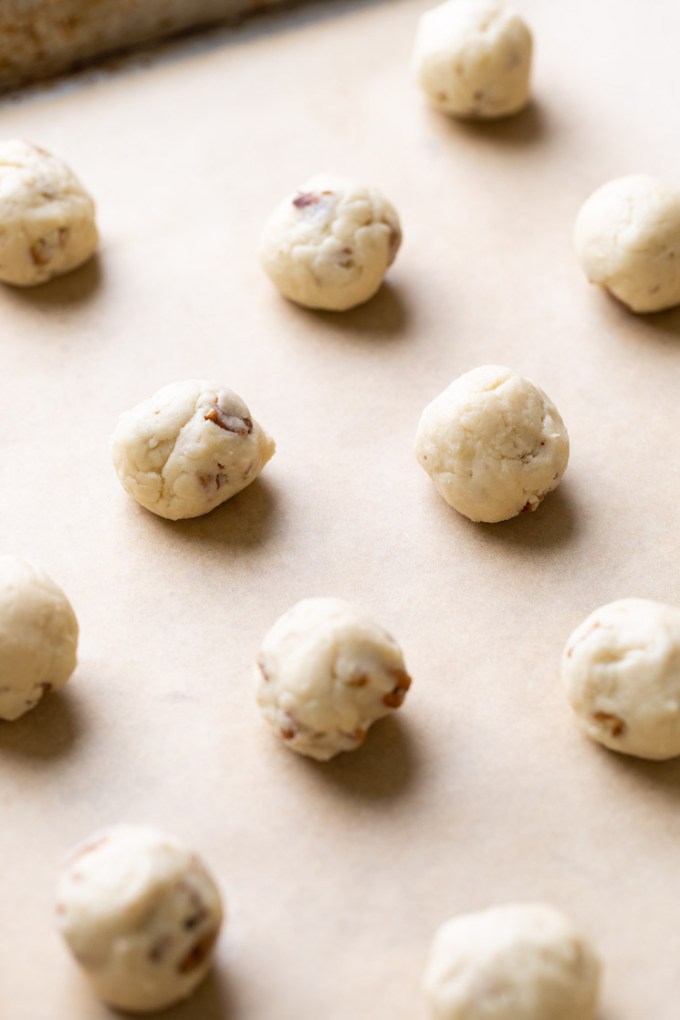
[
  {"x": 327, "y": 672},
  {"x": 140, "y": 914},
  {"x": 188, "y": 448},
  {"x": 330, "y": 244},
  {"x": 493, "y": 444},
  {"x": 47, "y": 222},
  {"x": 515, "y": 962},
  {"x": 621, "y": 672},
  {"x": 627, "y": 239},
  {"x": 473, "y": 58},
  {"x": 38, "y": 636}
]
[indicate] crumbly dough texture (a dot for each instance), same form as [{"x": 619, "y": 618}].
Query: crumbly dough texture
[
  {"x": 38, "y": 636},
  {"x": 514, "y": 962},
  {"x": 627, "y": 239},
  {"x": 621, "y": 672},
  {"x": 47, "y": 218},
  {"x": 141, "y": 915},
  {"x": 188, "y": 448},
  {"x": 329, "y": 244},
  {"x": 473, "y": 58},
  {"x": 326, "y": 672},
  {"x": 493, "y": 444}
]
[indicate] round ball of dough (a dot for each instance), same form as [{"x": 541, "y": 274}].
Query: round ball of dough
[
  {"x": 327, "y": 672},
  {"x": 188, "y": 448},
  {"x": 47, "y": 222},
  {"x": 330, "y": 244},
  {"x": 38, "y": 636},
  {"x": 515, "y": 962},
  {"x": 473, "y": 58},
  {"x": 621, "y": 672},
  {"x": 493, "y": 444},
  {"x": 627, "y": 239},
  {"x": 141, "y": 915}
]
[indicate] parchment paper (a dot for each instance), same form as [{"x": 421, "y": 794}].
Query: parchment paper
[{"x": 483, "y": 790}]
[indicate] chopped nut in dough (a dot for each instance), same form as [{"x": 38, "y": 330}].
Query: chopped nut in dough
[
  {"x": 621, "y": 671},
  {"x": 47, "y": 224},
  {"x": 188, "y": 448},
  {"x": 521, "y": 961},
  {"x": 627, "y": 239},
  {"x": 329, "y": 244},
  {"x": 473, "y": 58},
  {"x": 493, "y": 444},
  {"x": 38, "y": 636},
  {"x": 326, "y": 672},
  {"x": 141, "y": 915}
]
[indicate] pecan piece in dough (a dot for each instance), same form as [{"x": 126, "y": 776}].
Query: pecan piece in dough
[
  {"x": 229, "y": 422},
  {"x": 613, "y": 723},
  {"x": 395, "y": 698},
  {"x": 198, "y": 952}
]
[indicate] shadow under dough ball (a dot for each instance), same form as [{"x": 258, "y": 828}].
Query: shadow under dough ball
[
  {"x": 329, "y": 244},
  {"x": 188, "y": 448},
  {"x": 38, "y": 636},
  {"x": 493, "y": 444},
  {"x": 326, "y": 672},
  {"x": 523, "y": 961},
  {"x": 141, "y": 915},
  {"x": 627, "y": 239},
  {"x": 472, "y": 58},
  {"x": 621, "y": 672},
  {"x": 47, "y": 218}
]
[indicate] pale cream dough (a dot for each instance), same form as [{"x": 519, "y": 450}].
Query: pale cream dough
[
  {"x": 326, "y": 672},
  {"x": 627, "y": 239},
  {"x": 329, "y": 244},
  {"x": 188, "y": 448},
  {"x": 621, "y": 672},
  {"x": 141, "y": 915},
  {"x": 473, "y": 58},
  {"x": 493, "y": 444},
  {"x": 47, "y": 218},
  {"x": 523, "y": 961},
  {"x": 38, "y": 636}
]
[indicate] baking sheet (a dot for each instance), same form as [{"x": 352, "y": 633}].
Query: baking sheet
[
  {"x": 482, "y": 790},
  {"x": 39, "y": 38}
]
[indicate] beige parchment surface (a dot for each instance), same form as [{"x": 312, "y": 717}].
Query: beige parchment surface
[{"x": 483, "y": 790}]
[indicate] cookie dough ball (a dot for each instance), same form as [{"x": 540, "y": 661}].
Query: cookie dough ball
[
  {"x": 493, "y": 444},
  {"x": 627, "y": 239},
  {"x": 515, "y": 962},
  {"x": 46, "y": 217},
  {"x": 188, "y": 448},
  {"x": 38, "y": 636},
  {"x": 473, "y": 58},
  {"x": 621, "y": 672},
  {"x": 141, "y": 915},
  {"x": 327, "y": 671},
  {"x": 330, "y": 244}
]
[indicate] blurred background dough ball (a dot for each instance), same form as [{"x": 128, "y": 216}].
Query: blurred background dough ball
[
  {"x": 326, "y": 672},
  {"x": 621, "y": 671},
  {"x": 627, "y": 239},
  {"x": 141, "y": 915},
  {"x": 523, "y": 961},
  {"x": 188, "y": 448},
  {"x": 47, "y": 224},
  {"x": 493, "y": 444},
  {"x": 329, "y": 244},
  {"x": 38, "y": 636},
  {"x": 473, "y": 58}
]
